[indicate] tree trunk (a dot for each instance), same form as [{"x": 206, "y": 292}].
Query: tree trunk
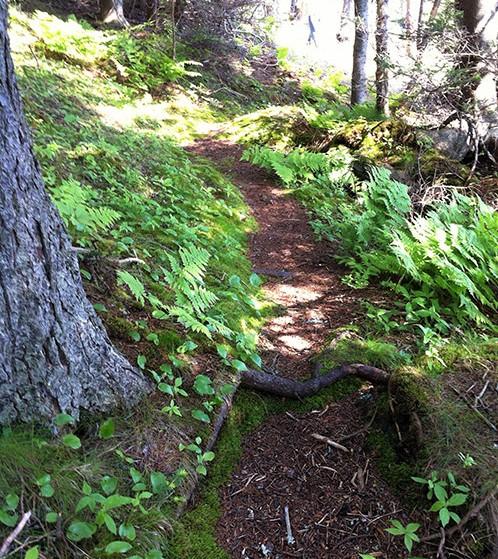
[
  {"x": 480, "y": 18},
  {"x": 111, "y": 11},
  {"x": 420, "y": 25},
  {"x": 409, "y": 28},
  {"x": 381, "y": 58},
  {"x": 359, "y": 93},
  {"x": 54, "y": 352},
  {"x": 435, "y": 9},
  {"x": 346, "y": 10}
]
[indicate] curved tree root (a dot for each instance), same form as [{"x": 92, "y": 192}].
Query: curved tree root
[
  {"x": 286, "y": 388},
  {"x": 289, "y": 388}
]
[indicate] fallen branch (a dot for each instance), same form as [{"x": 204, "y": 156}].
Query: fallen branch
[
  {"x": 219, "y": 421},
  {"x": 13, "y": 535},
  {"x": 289, "y": 388}
]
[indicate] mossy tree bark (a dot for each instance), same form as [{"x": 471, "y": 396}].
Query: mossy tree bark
[
  {"x": 359, "y": 93},
  {"x": 54, "y": 352}
]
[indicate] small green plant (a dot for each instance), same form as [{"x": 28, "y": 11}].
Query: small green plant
[
  {"x": 202, "y": 457},
  {"x": 408, "y": 533},
  {"x": 446, "y": 493}
]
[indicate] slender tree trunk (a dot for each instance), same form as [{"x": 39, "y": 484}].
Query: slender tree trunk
[
  {"x": 111, "y": 11},
  {"x": 409, "y": 27},
  {"x": 480, "y": 18},
  {"x": 359, "y": 93},
  {"x": 381, "y": 58},
  {"x": 54, "y": 352},
  {"x": 346, "y": 11},
  {"x": 420, "y": 24},
  {"x": 435, "y": 9}
]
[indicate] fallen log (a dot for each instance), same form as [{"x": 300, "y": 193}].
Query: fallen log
[{"x": 290, "y": 388}]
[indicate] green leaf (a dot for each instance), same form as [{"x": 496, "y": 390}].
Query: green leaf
[
  {"x": 141, "y": 361},
  {"x": 420, "y": 480},
  {"x": 208, "y": 456},
  {"x": 455, "y": 517},
  {"x": 412, "y": 527},
  {"x": 32, "y": 553},
  {"x": 226, "y": 389},
  {"x": 107, "y": 429},
  {"x": 79, "y": 530},
  {"x": 109, "y": 484},
  {"x": 203, "y": 385},
  {"x": 12, "y": 501},
  {"x": 47, "y": 490},
  {"x": 136, "y": 476},
  {"x": 87, "y": 490},
  {"x": 200, "y": 416},
  {"x": 128, "y": 531},
  {"x": 116, "y": 501},
  {"x": 51, "y": 517},
  {"x": 256, "y": 359},
  {"x": 117, "y": 547},
  {"x": 408, "y": 542},
  {"x": 158, "y": 482},
  {"x": 165, "y": 388},
  {"x": 238, "y": 365},
  {"x": 71, "y": 441},
  {"x": 255, "y": 280},
  {"x": 456, "y": 500},
  {"x": 135, "y": 336},
  {"x": 234, "y": 281},
  {"x": 110, "y": 524},
  {"x": 99, "y": 307},
  {"x": 440, "y": 492},
  {"x": 63, "y": 419},
  {"x": 222, "y": 350},
  {"x": 444, "y": 516},
  {"x": 7, "y": 519}
]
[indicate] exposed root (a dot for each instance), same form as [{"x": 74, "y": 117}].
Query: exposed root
[{"x": 289, "y": 388}]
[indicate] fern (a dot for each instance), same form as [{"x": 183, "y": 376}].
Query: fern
[
  {"x": 84, "y": 220},
  {"x": 136, "y": 287},
  {"x": 193, "y": 301}
]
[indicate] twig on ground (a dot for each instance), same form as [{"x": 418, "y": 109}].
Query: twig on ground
[
  {"x": 13, "y": 535},
  {"x": 440, "y": 549},
  {"x": 330, "y": 442},
  {"x": 290, "y": 537}
]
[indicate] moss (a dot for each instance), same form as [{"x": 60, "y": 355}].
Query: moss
[
  {"x": 195, "y": 535},
  {"x": 118, "y": 327},
  {"x": 346, "y": 346},
  {"x": 397, "y": 473}
]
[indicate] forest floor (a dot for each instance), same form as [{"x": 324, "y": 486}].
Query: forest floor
[{"x": 336, "y": 501}]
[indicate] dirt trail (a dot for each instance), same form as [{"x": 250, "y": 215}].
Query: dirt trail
[
  {"x": 302, "y": 277},
  {"x": 338, "y": 505}
]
